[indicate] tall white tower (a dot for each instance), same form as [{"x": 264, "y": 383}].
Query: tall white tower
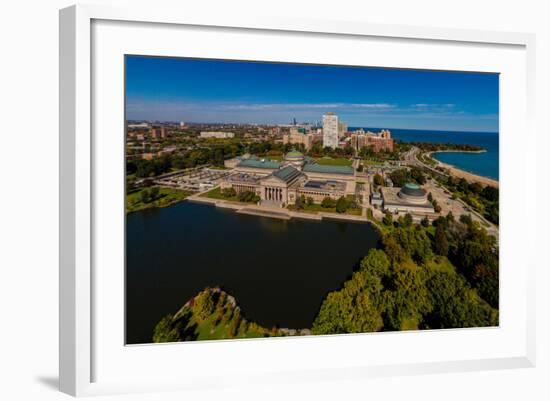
[{"x": 330, "y": 130}]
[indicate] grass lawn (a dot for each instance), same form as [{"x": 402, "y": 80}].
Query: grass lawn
[
  {"x": 166, "y": 197},
  {"x": 441, "y": 264},
  {"x": 329, "y": 161},
  {"x": 216, "y": 193},
  {"x": 315, "y": 208}
]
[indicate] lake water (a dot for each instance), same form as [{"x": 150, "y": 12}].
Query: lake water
[
  {"x": 484, "y": 164},
  {"x": 279, "y": 271}
]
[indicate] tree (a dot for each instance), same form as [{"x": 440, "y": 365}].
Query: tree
[
  {"x": 388, "y": 219},
  {"x": 450, "y": 217},
  {"x": 492, "y": 214},
  {"x": 395, "y": 252},
  {"x": 378, "y": 180},
  {"x": 341, "y": 205},
  {"x": 441, "y": 244},
  {"x": 154, "y": 194},
  {"x": 407, "y": 220},
  {"x": 475, "y": 187},
  {"x": 454, "y": 305},
  {"x": 466, "y": 219},
  {"x": 204, "y": 304},
  {"x": 235, "y": 323},
  {"x": 417, "y": 175},
  {"x": 309, "y": 201},
  {"x": 299, "y": 202},
  {"x": 376, "y": 262},
  {"x": 400, "y": 177},
  {"x": 145, "y": 196},
  {"x": 490, "y": 193},
  {"x": 165, "y": 331},
  {"x": 425, "y": 222}
]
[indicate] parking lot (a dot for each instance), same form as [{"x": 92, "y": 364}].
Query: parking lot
[{"x": 195, "y": 180}]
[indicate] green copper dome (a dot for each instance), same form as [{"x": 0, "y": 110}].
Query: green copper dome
[{"x": 294, "y": 154}]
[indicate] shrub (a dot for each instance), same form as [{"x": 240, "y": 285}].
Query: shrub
[{"x": 328, "y": 203}]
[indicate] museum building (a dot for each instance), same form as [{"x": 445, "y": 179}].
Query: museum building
[
  {"x": 280, "y": 183},
  {"x": 410, "y": 198}
]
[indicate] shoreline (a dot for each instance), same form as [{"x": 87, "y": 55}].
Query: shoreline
[
  {"x": 460, "y": 173},
  {"x": 281, "y": 214}
]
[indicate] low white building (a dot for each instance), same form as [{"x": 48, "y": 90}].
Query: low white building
[{"x": 217, "y": 134}]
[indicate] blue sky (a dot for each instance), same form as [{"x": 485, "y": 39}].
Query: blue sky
[{"x": 179, "y": 89}]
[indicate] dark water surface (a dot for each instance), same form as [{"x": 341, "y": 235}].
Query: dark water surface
[{"x": 279, "y": 271}]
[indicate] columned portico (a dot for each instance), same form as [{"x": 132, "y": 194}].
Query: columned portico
[{"x": 273, "y": 194}]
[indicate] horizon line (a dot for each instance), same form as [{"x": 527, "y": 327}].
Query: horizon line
[{"x": 309, "y": 123}]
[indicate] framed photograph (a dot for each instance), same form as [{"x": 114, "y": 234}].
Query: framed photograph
[{"x": 270, "y": 200}]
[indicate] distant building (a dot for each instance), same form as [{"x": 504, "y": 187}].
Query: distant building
[
  {"x": 381, "y": 141},
  {"x": 182, "y": 124},
  {"x": 139, "y": 126},
  {"x": 330, "y": 130},
  {"x": 158, "y": 132},
  {"x": 217, "y": 134},
  {"x": 342, "y": 129},
  {"x": 301, "y": 135}
]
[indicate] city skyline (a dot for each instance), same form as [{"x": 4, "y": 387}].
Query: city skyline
[{"x": 241, "y": 92}]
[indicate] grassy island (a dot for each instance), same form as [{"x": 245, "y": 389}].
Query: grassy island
[{"x": 212, "y": 315}]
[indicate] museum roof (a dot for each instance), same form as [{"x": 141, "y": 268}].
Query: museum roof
[
  {"x": 259, "y": 163},
  {"x": 412, "y": 189},
  {"x": 320, "y": 168},
  {"x": 287, "y": 173},
  {"x": 391, "y": 198}
]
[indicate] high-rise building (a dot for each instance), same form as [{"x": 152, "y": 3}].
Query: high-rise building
[
  {"x": 330, "y": 130},
  {"x": 342, "y": 129}
]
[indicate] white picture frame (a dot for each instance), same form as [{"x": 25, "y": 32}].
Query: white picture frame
[{"x": 78, "y": 164}]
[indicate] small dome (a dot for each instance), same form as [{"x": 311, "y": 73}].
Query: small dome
[{"x": 294, "y": 154}]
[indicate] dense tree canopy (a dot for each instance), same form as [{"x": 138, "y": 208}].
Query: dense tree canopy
[{"x": 405, "y": 286}]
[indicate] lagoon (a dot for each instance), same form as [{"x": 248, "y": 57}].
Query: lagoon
[{"x": 279, "y": 271}]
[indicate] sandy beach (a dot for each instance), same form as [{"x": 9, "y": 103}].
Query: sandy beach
[{"x": 456, "y": 172}]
